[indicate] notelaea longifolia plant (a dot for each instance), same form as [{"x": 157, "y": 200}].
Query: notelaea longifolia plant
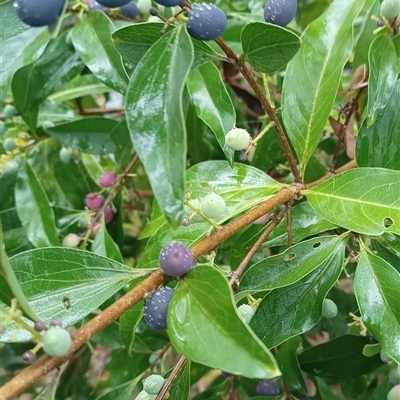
[{"x": 200, "y": 200}]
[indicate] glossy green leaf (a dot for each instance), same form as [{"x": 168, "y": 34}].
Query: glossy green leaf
[
  {"x": 155, "y": 118},
  {"x": 34, "y": 209},
  {"x": 379, "y": 144},
  {"x": 359, "y": 202},
  {"x": 203, "y": 325},
  {"x": 103, "y": 245},
  {"x": 268, "y": 47},
  {"x": 242, "y": 188},
  {"x": 292, "y": 265},
  {"x": 93, "y": 135},
  {"x": 92, "y": 41},
  {"x": 32, "y": 84},
  {"x": 180, "y": 387},
  {"x": 295, "y": 309},
  {"x": 383, "y": 72},
  {"x": 377, "y": 288},
  {"x": 313, "y": 76},
  {"x": 212, "y": 102},
  {"x": 128, "y": 323},
  {"x": 339, "y": 358},
  {"x": 393, "y": 241},
  {"x": 80, "y": 281}
]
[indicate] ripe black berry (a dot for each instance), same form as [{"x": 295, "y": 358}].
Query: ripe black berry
[
  {"x": 169, "y": 3},
  {"x": 39, "y": 12},
  {"x": 113, "y": 3},
  {"x": 94, "y": 5},
  {"x": 176, "y": 259},
  {"x": 280, "y": 12},
  {"x": 268, "y": 387},
  {"x": 206, "y": 21},
  {"x": 130, "y": 10},
  {"x": 156, "y": 307}
]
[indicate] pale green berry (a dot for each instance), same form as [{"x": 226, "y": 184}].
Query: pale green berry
[
  {"x": 394, "y": 393},
  {"x": 9, "y": 144},
  {"x": 3, "y": 128},
  {"x": 143, "y": 395},
  {"x": 246, "y": 313},
  {"x": 390, "y": 8},
  {"x": 10, "y": 168},
  {"x": 384, "y": 356},
  {"x": 9, "y": 111},
  {"x": 329, "y": 309},
  {"x": 213, "y": 205},
  {"x": 71, "y": 240},
  {"x": 56, "y": 341},
  {"x": 188, "y": 211},
  {"x": 144, "y": 6},
  {"x": 238, "y": 139},
  {"x": 65, "y": 155},
  {"x": 153, "y": 384},
  {"x": 46, "y": 125},
  {"x": 394, "y": 375}
]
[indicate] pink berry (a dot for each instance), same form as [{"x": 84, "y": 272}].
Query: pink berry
[
  {"x": 39, "y": 326},
  {"x": 108, "y": 179},
  {"x": 94, "y": 201},
  {"x": 71, "y": 240},
  {"x": 108, "y": 214},
  {"x": 56, "y": 322},
  {"x": 28, "y": 357},
  {"x": 394, "y": 393},
  {"x": 311, "y": 389},
  {"x": 261, "y": 220}
]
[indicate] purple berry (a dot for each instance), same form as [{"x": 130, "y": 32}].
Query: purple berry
[
  {"x": 94, "y": 201},
  {"x": 176, "y": 259},
  {"x": 243, "y": 156},
  {"x": 107, "y": 179},
  {"x": 186, "y": 221},
  {"x": 268, "y": 387},
  {"x": 38, "y": 12},
  {"x": 169, "y": 3},
  {"x": 280, "y": 12},
  {"x": 206, "y": 21},
  {"x": 156, "y": 307},
  {"x": 28, "y": 357},
  {"x": 39, "y": 326},
  {"x": 113, "y": 3},
  {"x": 130, "y": 10},
  {"x": 56, "y": 322},
  {"x": 94, "y": 5},
  {"x": 108, "y": 214}
]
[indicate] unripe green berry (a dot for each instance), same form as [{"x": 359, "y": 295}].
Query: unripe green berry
[
  {"x": 390, "y": 8},
  {"x": 394, "y": 393},
  {"x": 144, "y": 6},
  {"x": 3, "y": 128},
  {"x": 329, "y": 309},
  {"x": 188, "y": 211},
  {"x": 394, "y": 375},
  {"x": 9, "y": 111},
  {"x": 10, "y": 168},
  {"x": 246, "y": 313},
  {"x": 48, "y": 124},
  {"x": 143, "y": 395},
  {"x": 56, "y": 341},
  {"x": 384, "y": 356},
  {"x": 65, "y": 155},
  {"x": 9, "y": 144},
  {"x": 153, "y": 384},
  {"x": 71, "y": 240},
  {"x": 238, "y": 139},
  {"x": 213, "y": 205}
]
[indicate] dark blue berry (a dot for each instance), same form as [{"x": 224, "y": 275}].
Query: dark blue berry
[
  {"x": 156, "y": 308},
  {"x": 169, "y": 3},
  {"x": 130, "y": 10},
  {"x": 280, "y": 12},
  {"x": 176, "y": 259},
  {"x": 38, "y": 12},
  {"x": 268, "y": 387},
  {"x": 94, "y": 5},
  {"x": 206, "y": 21},
  {"x": 113, "y": 3}
]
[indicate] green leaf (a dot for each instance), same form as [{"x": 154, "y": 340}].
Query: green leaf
[
  {"x": 359, "y": 202},
  {"x": 89, "y": 135},
  {"x": 268, "y": 47},
  {"x": 203, "y": 325},
  {"x": 379, "y": 144},
  {"x": 295, "y": 309},
  {"x": 155, "y": 118},
  {"x": 341, "y": 357},
  {"x": 180, "y": 387},
  {"x": 92, "y": 41},
  {"x": 292, "y": 265},
  {"x": 34, "y": 209},
  {"x": 128, "y": 323},
  {"x": 383, "y": 72},
  {"x": 80, "y": 281},
  {"x": 212, "y": 102},
  {"x": 314, "y": 74},
  {"x": 32, "y": 84},
  {"x": 103, "y": 245},
  {"x": 377, "y": 288}
]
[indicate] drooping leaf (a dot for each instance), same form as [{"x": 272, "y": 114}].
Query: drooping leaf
[
  {"x": 92, "y": 41},
  {"x": 155, "y": 118},
  {"x": 313, "y": 76},
  {"x": 377, "y": 288},
  {"x": 379, "y": 144},
  {"x": 268, "y": 47},
  {"x": 128, "y": 323},
  {"x": 383, "y": 72},
  {"x": 359, "y": 202},
  {"x": 295, "y": 309},
  {"x": 212, "y": 102},
  {"x": 34, "y": 209},
  {"x": 204, "y": 326},
  {"x": 292, "y": 265},
  {"x": 103, "y": 245}
]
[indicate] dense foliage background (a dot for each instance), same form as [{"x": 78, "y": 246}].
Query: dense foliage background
[{"x": 99, "y": 93}]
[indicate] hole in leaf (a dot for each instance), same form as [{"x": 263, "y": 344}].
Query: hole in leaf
[
  {"x": 388, "y": 222},
  {"x": 289, "y": 256},
  {"x": 316, "y": 245}
]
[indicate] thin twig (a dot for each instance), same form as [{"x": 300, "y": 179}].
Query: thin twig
[
  {"x": 179, "y": 365},
  {"x": 101, "y": 111}
]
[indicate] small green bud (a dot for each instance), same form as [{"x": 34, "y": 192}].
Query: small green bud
[
  {"x": 9, "y": 111},
  {"x": 153, "y": 384},
  {"x": 238, "y": 139},
  {"x": 246, "y": 313},
  {"x": 329, "y": 309},
  {"x": 65, "y": 155},
  {"x": 9, "y": 144}
]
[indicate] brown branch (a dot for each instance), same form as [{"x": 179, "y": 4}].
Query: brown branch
[
  {"x": 241, "y": 66},
  {"x": 179, "y": 365},
  {"x": 101, "y": 111}
]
